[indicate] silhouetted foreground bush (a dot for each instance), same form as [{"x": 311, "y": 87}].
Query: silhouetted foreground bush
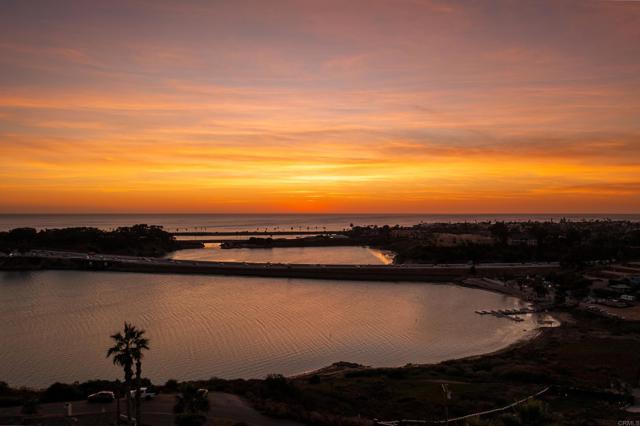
[{"x": 10, "y": 397}]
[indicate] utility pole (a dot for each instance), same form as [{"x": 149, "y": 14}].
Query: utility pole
[
  {"x": 446, "y": 395},
  {"x": 118, "y": 409}
]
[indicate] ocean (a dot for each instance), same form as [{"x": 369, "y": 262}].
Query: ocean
[{"x": 271, "y": 222}]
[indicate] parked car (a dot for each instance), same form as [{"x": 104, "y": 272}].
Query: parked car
[
  {"x": 102, "y": 396},
  {"x": 145, "y": 393}
]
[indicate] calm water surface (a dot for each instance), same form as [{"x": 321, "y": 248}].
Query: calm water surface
[
  {"x": 238, "y": 237},
  {"x": 55, "y": 324},
  {"x": 312, "y": 255}
]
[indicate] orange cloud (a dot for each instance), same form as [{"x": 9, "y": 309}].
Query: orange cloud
[{"x": 415, "y": 106}]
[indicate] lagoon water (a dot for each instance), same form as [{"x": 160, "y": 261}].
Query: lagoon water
[
  {"x": 55, "y": 324},
  {"x": 349, "y": 255}
]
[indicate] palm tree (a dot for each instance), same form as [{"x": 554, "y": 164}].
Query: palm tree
[
  {"x": 140, "y": 344},
  {"x": 122, "y": 354}
]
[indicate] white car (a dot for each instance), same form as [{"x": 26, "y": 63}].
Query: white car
[
  {"x": 102, "y": 396},
  {"x": 145, "y": 393}
]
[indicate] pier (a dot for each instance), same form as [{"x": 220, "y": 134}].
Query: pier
[
  {"x": 251, "y": 233},
  {"x": 511, "y": 314}
]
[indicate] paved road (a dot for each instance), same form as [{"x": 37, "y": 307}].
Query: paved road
[{"x": 226, "y": 409}]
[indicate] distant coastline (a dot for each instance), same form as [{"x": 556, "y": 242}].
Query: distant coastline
[{"x": 173, "y": 222}]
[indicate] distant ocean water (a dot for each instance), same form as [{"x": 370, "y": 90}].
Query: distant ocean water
[{"x": 281, "y": 222}]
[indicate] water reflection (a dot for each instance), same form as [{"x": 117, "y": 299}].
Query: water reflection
[
  {"x": 56, "y": 324},
  {"x": 313, "y": 255}
]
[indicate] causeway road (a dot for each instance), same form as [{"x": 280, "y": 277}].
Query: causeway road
[{"x": 47, "y": 259}]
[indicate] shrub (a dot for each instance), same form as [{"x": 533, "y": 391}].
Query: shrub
[
  {"x": 10, "y": 401},
  {"x": 30, "y": 406},
  {"x": 533, "y": 413},
  {"x": 509, "y": 420},
  {"x": 525, "y": 374},
  {"x": 60, "y": 392},
  {"x": 397, "y": 373},
  {"x": 171, "y": 385},
  {"x": 190, "y": 419},
  {"x": 278, "y": 386},
  {"x": 190, "y": 401}
]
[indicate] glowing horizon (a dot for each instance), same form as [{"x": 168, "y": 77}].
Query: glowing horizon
[{"x": 320, "y": 107}]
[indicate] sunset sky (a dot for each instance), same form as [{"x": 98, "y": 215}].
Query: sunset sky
[{"x": 320, "y": 106}]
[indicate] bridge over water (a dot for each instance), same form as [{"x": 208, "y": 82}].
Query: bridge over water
[{"x": 43, "y": 259}]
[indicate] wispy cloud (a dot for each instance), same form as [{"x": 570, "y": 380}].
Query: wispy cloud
[{"x": 409, "y": 105}]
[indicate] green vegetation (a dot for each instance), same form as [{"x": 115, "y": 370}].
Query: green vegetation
[
  {"x": 137, "y": 240},
  {"x": 589, "y": 363},
  {"x": 191, "y": 406},
  {"x": 572, "y": 243},
  {"x": 62, "y": 392},
  {"x": 30, "y": 406},
  {"x": 10, "y": 397},
  {"x": 128, "y": 348}
]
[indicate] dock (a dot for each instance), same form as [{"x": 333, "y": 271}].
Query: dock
[{"x": 511, "y": 314}]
